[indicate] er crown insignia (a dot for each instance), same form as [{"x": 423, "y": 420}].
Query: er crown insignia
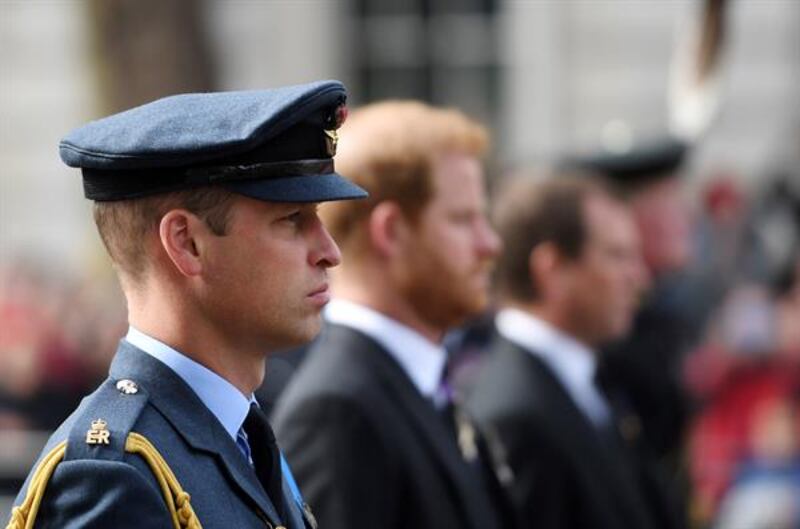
[{"x": 98, "y": 434}]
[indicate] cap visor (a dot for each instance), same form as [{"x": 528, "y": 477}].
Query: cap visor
[{"x": 306, "y": 188}]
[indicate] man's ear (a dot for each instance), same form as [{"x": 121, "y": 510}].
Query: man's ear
[
  {"x": 543, "y": 262},
  {"x": 386, "y": 226},
  {"x": 178, "y": 233}
]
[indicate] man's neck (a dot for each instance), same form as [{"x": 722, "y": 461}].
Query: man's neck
[
  {"x": 555, "y": 319},
  {"x": 392, "y": 305},
  {"x": 161, "y": 308},
  {"x": 244, "y": 369}
]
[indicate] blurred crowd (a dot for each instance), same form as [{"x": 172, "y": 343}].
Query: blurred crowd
[
  {"x": 743, "y": 444},
  {"x": 58, "y": 335}
]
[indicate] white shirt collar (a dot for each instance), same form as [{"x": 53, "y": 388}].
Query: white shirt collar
[
  {"x": 420, "y": 358},
  {"x": 573, "y": 363},
  {"x": 222, "y": 398}
]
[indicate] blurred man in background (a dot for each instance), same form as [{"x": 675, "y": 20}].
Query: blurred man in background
[
  {"x": 368, "y": 421},
  {"x": 641, "y": 371},
  {"x": 569, "y": 282}
]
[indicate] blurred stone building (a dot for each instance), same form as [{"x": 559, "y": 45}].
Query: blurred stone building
[{"x": 547, "y": 76}]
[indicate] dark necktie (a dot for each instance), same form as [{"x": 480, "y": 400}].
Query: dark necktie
[
  {"x": 266, "y": 456},
  {"x": 456, "y": 420}
]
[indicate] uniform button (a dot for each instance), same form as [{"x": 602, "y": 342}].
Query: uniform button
[{"x": 127, "y": 387}]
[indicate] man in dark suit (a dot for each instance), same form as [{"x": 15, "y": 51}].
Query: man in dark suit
[
  {"x": 371, "y": 431},
  {"x": 641, "y": 371},
  {"x": 206, "y": 204},
  {"x": 569, "y": 281}
]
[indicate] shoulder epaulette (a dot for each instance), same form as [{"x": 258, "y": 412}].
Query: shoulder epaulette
[
  {"x": 103, "y": 429},
  {"x": 101, "y": 426}
]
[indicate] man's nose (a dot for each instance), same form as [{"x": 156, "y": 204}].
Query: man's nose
[
  {"x": 489, "y": 242},
  {"x": 325, "y": 251}
]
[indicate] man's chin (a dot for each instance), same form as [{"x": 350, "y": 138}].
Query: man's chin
[
  {"x": 312, "y": 330},
  {"x": 470, "y": 309},
  {"x": 478, "y": 304},
  {"x": 620, "y": 331},
  {"x": 303, "y": 334}
]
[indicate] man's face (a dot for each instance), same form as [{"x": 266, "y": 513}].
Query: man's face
[
  {"x": 446, "y": 260},
  {"x": 662, "y": 218},
  {"x": 604, "y": 284},
  {"x": 266, "y": 279}
]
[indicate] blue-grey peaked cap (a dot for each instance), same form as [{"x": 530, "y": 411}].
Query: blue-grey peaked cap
[{"x": 275, "y": 145}]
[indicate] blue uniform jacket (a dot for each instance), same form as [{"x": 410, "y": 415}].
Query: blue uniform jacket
[{"x": 103, "y": 486}]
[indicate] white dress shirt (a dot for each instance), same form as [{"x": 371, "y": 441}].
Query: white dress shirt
[
  {"x": 573, "y": 363},
  {"x": 420, "y": 358},
  {"x": 222, "y": 398}
]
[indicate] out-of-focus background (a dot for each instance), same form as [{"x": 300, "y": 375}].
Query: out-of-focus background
[{"x": 550, "y": 78}]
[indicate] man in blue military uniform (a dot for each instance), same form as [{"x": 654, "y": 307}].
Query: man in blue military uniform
[{"x": 207, "y": 206}]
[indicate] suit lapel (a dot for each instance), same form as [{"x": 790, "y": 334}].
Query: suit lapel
[
  {"x": 191, "y": 419},
  {"x": 575, "y": 426},
  {"x": 424, "y": 419},
  {"x": 574, "y": 430}
]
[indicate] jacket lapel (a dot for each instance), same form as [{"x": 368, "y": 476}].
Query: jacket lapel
[
  {"x": 425, "y": 420},
  {"x": 191, "y": 419},
  {"x": 576, "y": 431},
  {"x": 576, "y": 428}
]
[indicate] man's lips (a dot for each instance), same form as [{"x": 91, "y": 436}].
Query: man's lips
[{"x": 320, "y": 295}]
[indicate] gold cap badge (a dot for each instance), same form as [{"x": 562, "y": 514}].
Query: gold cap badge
[{"x": 331, "y": 141}]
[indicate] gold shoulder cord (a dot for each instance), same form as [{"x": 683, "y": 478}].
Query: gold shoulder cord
[{"x": 183, "y": 516}]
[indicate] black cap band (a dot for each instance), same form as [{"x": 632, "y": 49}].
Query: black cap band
[{"x": 101, "y": 185}]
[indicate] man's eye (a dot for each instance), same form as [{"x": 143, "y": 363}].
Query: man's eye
[
  {"x": 300, "y": 216},
  {"x": 294, "y": 217},
  {"x": 462, "y": 218}
]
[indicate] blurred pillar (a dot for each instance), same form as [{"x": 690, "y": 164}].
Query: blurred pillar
[
  {"x": 46, "y": 88},
  {"x": 146, "y": 49},
  {"x": 537, "y": 95}
]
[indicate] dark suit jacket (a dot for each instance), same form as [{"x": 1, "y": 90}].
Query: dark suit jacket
[
  {"x": 566, "y": 474},
  {"x": 102, "y": 486},
  {"x": 368, "y": 450}
]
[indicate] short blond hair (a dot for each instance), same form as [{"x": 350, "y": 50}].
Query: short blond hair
[
  {"x": 124, "y": 224},
  {"x": 389, "y": 149}
]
